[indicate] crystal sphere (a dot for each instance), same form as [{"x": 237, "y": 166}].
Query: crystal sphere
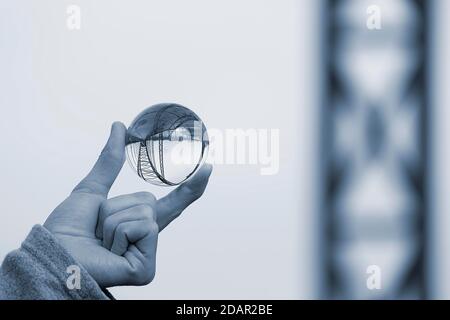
[{"x": 166, "y": 144}]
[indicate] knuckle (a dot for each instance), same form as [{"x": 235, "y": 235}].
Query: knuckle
[
  {"x": 133, "y": 275},
  {"x": 153, "y": 227},
  {"x": 147, "y": 276},
  {"x": 142, "y": 276},
  {"x": 146, "y": 210},
  {"x": 108, "y": 224},
  {"x": 105, "y": 208},
  {"x": 147, "y": 196},
  {"x": 122, "y": 228}
]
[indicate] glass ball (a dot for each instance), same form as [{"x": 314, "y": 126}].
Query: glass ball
[{"x": 166, "y": 144}]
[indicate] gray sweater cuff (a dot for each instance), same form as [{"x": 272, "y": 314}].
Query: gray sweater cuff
[{"x": 41, "y": 268}]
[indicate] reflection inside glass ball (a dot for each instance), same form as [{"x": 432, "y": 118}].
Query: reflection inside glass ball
[{"x": 166, "y": 144}]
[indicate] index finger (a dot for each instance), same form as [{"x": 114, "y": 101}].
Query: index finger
[{"x": 110, "y": 162}]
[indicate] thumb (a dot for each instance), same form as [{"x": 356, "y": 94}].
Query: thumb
[
  {"x": 110, "y": 162},
  {"x": 171, "y": 206}
]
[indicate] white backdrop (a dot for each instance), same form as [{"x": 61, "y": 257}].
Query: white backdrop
[{"x": 238, "y": 64}]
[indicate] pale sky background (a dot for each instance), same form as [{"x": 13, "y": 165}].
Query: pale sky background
[{"x": 237, "y": 64}]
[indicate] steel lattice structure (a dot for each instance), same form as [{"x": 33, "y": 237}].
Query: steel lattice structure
[{"x": 375, "y": 146}]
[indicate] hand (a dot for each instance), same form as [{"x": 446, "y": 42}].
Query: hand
[{"x": 115, "y": 240}]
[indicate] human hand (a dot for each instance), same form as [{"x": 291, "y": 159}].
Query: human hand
[{"x": 115, "y": 239}]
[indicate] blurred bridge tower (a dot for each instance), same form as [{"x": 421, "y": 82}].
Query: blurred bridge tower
[{"x": 375, "y": 146}]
